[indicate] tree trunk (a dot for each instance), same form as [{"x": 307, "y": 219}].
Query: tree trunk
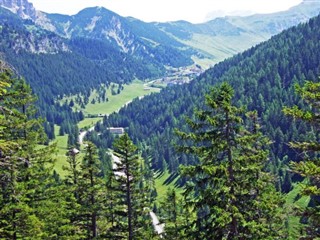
[
  {"x": 234, "y": 222},
  {"x": 130, "y": 230}
]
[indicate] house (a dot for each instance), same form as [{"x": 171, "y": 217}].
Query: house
[{"x": 116, "y": 130}]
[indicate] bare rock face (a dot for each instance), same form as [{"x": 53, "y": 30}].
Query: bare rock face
[{"x": 23, "y": 8}]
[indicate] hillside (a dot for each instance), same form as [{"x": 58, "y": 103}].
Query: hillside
[
  {"x": 229, "y": 35},
  {"x": 62, "y": 55},
  {"x": 263, "y": 79},
  {"x": 56, "y": 66}
]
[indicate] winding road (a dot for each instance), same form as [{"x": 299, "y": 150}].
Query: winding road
[{"x": 158, "y": 227}]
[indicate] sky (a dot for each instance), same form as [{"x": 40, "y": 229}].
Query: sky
[{"x": 195, "y": 11}]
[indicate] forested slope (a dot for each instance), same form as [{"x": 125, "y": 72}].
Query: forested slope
[
  {"x": 263, "y": 79},
  {"x": 56, "y": 66}
]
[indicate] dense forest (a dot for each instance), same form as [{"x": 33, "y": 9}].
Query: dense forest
[
  {"x": 229, "y": 193},
  {"x": 35, "y": 203},
  {"x": 239, "y": 138},
  {"x": 263, "y": 78}
]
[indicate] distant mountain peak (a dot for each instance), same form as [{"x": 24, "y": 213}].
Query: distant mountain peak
[
  {"x": 23, "y": 8},
  {"x": 221, "y": 13},
  {"x": 26, "y": 10}
]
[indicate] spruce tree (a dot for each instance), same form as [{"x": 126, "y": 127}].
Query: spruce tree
[
  {"x": 229, "y": 192},
  {"x": 130, "y": 194},
  {"x": 25, "y": 168},
  {"x": 91, "y": 188},
  {"x": 174, "y": 215}
]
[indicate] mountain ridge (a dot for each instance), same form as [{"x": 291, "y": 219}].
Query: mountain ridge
[
  {"x": 120, "y": 49},
  {"x": 128, "y": 36}
]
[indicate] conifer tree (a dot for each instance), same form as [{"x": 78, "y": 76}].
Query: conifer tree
[
  {"x": 309, "y": 168},
  {"x": 131, "y": 196},
  {"x": 71, "y": 193},
  {"x": 91, "y": 190},
  {"x": 25, "y": 168},
  {"x": 230, "y": 194}
]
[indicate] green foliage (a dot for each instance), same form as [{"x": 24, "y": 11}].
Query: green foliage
[
  {"x": 309, "y": 168},
  {"x": 36, "y": 204},
  {"x": 91, "y": 188},
  {"x": 131, "y": 190},
  {"x": 174, "y": 215},
  {"x": 229, "y": 193},
  {"x": 263, "y": 78},
  {"x": 25, "y": 169}
]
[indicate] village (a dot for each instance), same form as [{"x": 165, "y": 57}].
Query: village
[{"x": 178, "y": 76}]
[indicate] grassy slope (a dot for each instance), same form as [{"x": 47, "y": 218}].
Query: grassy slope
[
  {"x": 61, "y": 150},
  {"x": 115, "y": 102},
  {"x": 163, "y": 182},
  {"x": 136, "y": 89},
  {"x": 222, "y": 47}
]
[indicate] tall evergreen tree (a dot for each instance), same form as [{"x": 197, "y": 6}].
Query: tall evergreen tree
[
  {"x": 71, "y": 193},
  {"x": 25, "y": 168},
  {"x": 231, "y": 195},
  {"x": 127, "y": 172},
  {"x": 91, "y": 190},
  {"x": 175, "y": 216}
]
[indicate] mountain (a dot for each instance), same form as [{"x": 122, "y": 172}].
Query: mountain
[
  {"x": 22, "y": 8},
  {"x": 104, "y": 25},
  {"x": 128, "y": 35},
  {"x": 22, "y": 35},
  {"x": 25, "y": 10},
  {"x": 63, "y": 55},
  {"x": 56, "y": 65},
  {"x": 226, "y": 36},
  {"x": 263, "y": 78},
  {"x": 161, "y": 43}
]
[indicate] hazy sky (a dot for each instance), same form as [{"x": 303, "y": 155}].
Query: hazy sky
[{"x": 194, "y": 11}]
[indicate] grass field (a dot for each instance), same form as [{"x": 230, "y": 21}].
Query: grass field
[
  {"x": 164, "y": 181},
  {"x": 131, "y": 91},
  {"x": 219, "y": 48},
  {"x": 89, "y": 122},
  {"x": 62, "y": 143},
  {"x": 114, "y": 103}
]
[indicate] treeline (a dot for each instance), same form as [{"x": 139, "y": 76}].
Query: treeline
[{"x": 263, "y": 79}]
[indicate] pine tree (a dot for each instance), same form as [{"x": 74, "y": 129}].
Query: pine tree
[
  {"x": 131, "y": 195},
  {"x": 91, "y": 189},
  {"x": 71, "y": 193},
  {"x": 309, "y": 168},
  {"x": 25, "y": 168},
  {"x": 229, "y": 186}
]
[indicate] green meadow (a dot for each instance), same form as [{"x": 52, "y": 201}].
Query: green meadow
[{"x": 95, "y": 112}]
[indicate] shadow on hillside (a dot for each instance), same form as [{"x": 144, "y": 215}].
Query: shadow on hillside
[
  {"x": 158, "y": 174},
  {"x": 172, "y": 177}
]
